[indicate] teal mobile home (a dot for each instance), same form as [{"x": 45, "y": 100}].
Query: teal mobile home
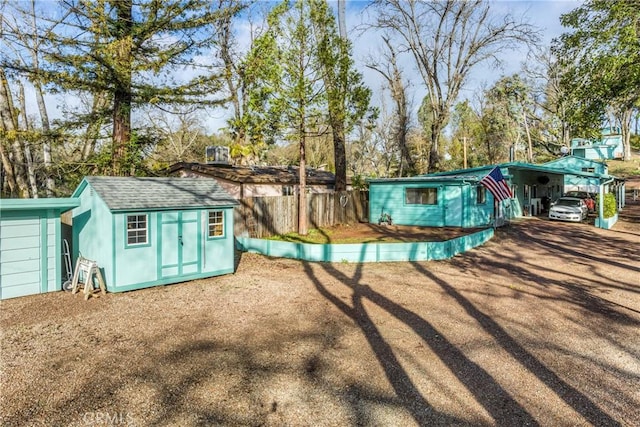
[
  {"x": 31, "y": 245},
  {"x": 154, "y": 231},
  {"x": 457, "y": 199}
]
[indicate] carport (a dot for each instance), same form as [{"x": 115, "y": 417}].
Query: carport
[{"x": 534, "y": 186}]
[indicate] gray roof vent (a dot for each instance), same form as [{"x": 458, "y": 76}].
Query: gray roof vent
[{"x": 217, "y": 155}]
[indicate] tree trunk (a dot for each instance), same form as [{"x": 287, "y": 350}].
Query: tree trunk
[
  {"x": 122, "y": 95},
  {"x": 625, "y": 122},
  {"x": 46, "y": 128},
  {"x": 530, "y": 146},
  {"x": 92, "y": 132},
  {"x": 30, "y": 169},
  {"x": 340, "y": 157},
  {"x": 302, "y": 194},
  {"x": 14, "y": 159},
  {"x": 434, "y": 155},
  {"x": 121, "y": 129},
  {"x": 342, "y": 23}
]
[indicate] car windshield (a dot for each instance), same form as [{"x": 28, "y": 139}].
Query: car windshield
[
  {"x": 568, "y": 202},
  {"x": 577, "y": 194}
]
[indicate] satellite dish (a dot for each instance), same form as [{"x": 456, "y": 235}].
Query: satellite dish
[{"x": 564, "y": 150}]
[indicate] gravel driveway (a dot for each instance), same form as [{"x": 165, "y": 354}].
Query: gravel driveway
[{"x": 540, "y": 326}]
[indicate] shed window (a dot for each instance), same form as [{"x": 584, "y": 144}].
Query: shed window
[
  {"x": 481, "y": 195},
  {"x": 421, "y": 196},
  {"x": 137, "y": 229},
  {"x": 216, "y": 224}
]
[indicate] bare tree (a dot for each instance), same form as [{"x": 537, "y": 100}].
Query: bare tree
[
  {"x": 181, "y": 136},
  {"x": 390, "y": 71},
  {"x": 447, "y": 39},
  {"x": 23, "y": 35}
]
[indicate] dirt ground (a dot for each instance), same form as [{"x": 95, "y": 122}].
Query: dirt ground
[{"x": 539, "y": 326}]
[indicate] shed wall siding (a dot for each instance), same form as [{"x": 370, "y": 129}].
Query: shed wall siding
[
  {"x": 133, "y": 264},
  {"x": 92, "y": 232},
  {"x": 30, "y": 257},
  {"x": 390, "y": 198},
  {"x": 53, "y": 254},
  {"x": 20, "y": 257},
  {"x": 147, "y": 265},
  {"x": 457, "y": 205},
  {"x": 219, "y": 253}
]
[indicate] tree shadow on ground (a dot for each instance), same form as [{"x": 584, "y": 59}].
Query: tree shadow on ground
[
  {"x": 502, "y": 407},
  {"x": 570, "y": 395}
]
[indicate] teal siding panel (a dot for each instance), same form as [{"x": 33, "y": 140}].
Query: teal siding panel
[
  {"x": 93, "y": 235},
  {"x": 32, "y": 264},
  {"x": 135, "y": 264},
  {"x": 10, "y": 244},
  {"x": 190, "y": 243},
  {"x": 53, "y": 260},
  {"x": 219, "y": 253},
  {"x": 170, "y": 281},
  {"x": 17, "y": 254},
  {"x": 20, "y": 257},
  {"x": 453, "y": 206},
  {"x": 367, "y": 252},
  {"x": 390, "y": 198},
  {"x": 21, "y": 290},
  {"x": 31, "y": 278},
  {"x": 20, "y": 228}
]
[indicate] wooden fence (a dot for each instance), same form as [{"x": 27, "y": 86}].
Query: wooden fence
[{"x": 269, "y": 216}]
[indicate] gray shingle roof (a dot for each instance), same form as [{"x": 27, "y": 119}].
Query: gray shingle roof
[{"x": 137, "y": 193}]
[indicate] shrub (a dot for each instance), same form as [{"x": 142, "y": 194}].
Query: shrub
[{"x": 610, "y": 206}]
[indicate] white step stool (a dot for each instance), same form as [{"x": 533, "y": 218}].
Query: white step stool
[{"x": 89, "y": 270}]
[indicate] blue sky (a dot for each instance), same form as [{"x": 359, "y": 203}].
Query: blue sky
[{"x": 543, "y": 14}]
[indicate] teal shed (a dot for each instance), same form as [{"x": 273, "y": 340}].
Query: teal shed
[
  {"x": 146, "y": 232},
  {"x": 432, "y": 201},
  {"x": 31, "y": 245}
]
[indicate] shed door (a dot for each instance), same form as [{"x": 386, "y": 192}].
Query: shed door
[
  {"x": 20, "y": 257},
  {"x": 453, "y": 206},
  {"x": 180, "y": 243}
]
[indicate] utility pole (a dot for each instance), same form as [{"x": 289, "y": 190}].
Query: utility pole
[{"x": 464, "y": 152}]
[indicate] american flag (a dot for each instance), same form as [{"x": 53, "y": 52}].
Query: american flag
[{"x": 495, "y": 183}]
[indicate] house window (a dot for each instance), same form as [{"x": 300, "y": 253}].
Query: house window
[
  {"x": 216, "y": 224},
  {"x": 137, "y": 230},
  {"x": 287, "y": 190},
  {"x": 421, "y": 196},
  {"x": 481, "y": 195},
  {"x": 592, "y": 170}
]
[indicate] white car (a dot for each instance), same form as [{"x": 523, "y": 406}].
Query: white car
[{"x": 568, "y": 209}]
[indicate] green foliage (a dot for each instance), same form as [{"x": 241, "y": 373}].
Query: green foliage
[
  {"x": 130, "y": 52},
  {"x": 601, "y": 56},
  {"x": 609, "y": 206},
  {"x": 358, "y": 182}
]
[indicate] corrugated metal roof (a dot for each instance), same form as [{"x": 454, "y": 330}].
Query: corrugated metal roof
[{"x": 140, "y": 193}]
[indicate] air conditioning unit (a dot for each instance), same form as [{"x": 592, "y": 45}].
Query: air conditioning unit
[{"x": 217, "y": 155}]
